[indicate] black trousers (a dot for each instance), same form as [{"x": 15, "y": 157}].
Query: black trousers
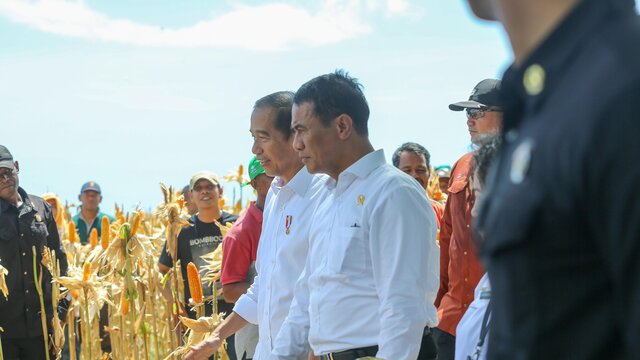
[
  {"x": 446, "y": 344},
  {"x": 23, "y": 348},
  {"x": 428, "y": 349}
]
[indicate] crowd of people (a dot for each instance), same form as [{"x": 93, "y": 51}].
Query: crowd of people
[{"x": 344, "y": 256}]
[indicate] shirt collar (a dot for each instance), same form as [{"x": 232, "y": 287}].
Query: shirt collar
[
  {"x": 298, "y": 184},
  {"x": 554, "y": 55},
  {"x": 359, "y": 169},
  {"x": 25, "y": 201},
  {"x": 99, "y": 215}
]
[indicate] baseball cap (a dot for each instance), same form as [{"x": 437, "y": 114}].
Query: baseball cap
[
  {"x": 207, "y": 175},
  {"x": 6, "y": 160},
  {"x": 90, "y": 186},
  {"x": 443, "y": 171},
  {"x": 255, "y": 169},
  {"x": 485, "y": 94}
]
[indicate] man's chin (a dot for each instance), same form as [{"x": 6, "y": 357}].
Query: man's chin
[
  {"x": 481, "y": 139},
  {"x": 483, "y": 9}
]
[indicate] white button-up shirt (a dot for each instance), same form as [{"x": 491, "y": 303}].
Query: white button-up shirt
[
  {"x": 372, "y": 273},
  {"x": 282, "y": 252},
  {"x": 470, "y": 326}
]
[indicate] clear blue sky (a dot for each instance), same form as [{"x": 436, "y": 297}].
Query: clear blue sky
[{"x": 130, "y": 94}]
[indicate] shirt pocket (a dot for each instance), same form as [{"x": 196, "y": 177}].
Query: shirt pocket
[
  {"x": 347, "y": 253},
  {"x": 39, "y": 233}
]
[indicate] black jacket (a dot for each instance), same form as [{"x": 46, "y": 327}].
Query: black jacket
[
  {"x": 32, "y": 224},
  {"x": 561, "y": 215}
]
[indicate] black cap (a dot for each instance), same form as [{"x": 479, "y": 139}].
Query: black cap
[
  {"x": 485, "y": 94},
  {"x": 90, "y": 186},
  {"x": 6, "y": 160}
]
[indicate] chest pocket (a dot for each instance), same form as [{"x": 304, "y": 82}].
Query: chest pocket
[
  {"x": 511, "y": 216},
  {"x": 347, "y": 253},
  {"x": 39, "y": 233}
]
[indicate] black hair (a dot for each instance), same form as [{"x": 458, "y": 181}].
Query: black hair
[
  {"x": 281, "y": 102},
  {"x": 335, "y": 94},
  {"x": 413, "y": 148},
  {"x": 484, "y": 157}
]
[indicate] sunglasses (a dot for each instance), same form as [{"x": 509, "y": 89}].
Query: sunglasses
[{"x": 478, "y": 113}]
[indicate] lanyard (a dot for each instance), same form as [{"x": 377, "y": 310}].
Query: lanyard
[{"x": 483, "y": 333}]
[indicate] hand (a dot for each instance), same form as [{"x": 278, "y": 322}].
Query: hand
[{"x": 204, "y": 349}]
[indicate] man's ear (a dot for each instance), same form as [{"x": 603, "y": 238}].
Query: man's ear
[
  {"x": 79, "y": 197},
  {"x": 15, "y": 163},
  {"x": 220, "y": 190},
  {"x": 344, "y": 126}
]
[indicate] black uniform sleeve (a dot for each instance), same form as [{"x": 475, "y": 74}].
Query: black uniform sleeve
[{"x": 613, "y": 192}]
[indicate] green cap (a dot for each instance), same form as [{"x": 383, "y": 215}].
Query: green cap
[{"x": 254, "y": 169}]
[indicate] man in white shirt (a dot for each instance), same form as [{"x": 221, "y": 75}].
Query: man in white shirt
[
  {"x": 283, "y": 245},
  {"x": 371, "y": 275}
]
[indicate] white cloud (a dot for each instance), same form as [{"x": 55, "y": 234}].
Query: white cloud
[
  {"x": 397, "y": 7},
  {"x": 270, "y": 27}
]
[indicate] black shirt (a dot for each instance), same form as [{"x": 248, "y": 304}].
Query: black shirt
[
  {"x": 196, "y": 240},
  {"x": 561, "y": 215},
  {"x": 31, "y": 224}
]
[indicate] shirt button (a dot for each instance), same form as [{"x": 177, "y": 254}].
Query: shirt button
[
  {"x": 25, "y": 273},
  {"x": 465, "y": 253},
  {"x": 464, "y": 305},
  {"x": 467, "y": 225},
  {"x": 26, "y": 291},
  {"x": 24, "y": 254},
  {"x": 27, "y": 309},
  {"x": 466, "y": 280},
  {"x": 22, "y": 235}
]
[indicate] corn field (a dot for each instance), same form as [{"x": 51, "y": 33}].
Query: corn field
[{"x": 117, "y": 295}]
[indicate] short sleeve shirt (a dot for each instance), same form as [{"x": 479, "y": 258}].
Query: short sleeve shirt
[{"x": 240, "y": 246}]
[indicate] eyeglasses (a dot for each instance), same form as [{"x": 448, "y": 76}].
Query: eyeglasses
[
  {"x": 6, "y": 175},
  {"x": 478, "y": 113}
]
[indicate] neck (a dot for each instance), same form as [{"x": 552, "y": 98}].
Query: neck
[
  {"x": 260, "y": 201},
  {"x": 209, "y": 215},
  {"x": 528, "y": 23},
  {"x": 13, "y": 199},
  {"x": 352, "y": 153},
  {"x": 89, "y": 214},
  {"x": 292, "y": 171}
]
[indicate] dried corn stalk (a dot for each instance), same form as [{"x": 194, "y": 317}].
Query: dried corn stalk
[{"x": 3, "y": 283}]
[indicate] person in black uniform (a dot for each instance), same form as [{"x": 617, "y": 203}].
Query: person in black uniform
[
  {"x": 563, "y": 251},
  {"x": 25, "y": 221}
]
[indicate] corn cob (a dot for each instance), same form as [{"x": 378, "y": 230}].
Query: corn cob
[
  {"x": 73, "y": 235},
  {"x": 195, "y": 284},
  {"x": 106, "y": 234},
  {"x": 124, "y": 304},
  {"x": 86, "y": 271},
  {"x": 137, "y": 218},
  {"x": 93, "y": 237}
]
